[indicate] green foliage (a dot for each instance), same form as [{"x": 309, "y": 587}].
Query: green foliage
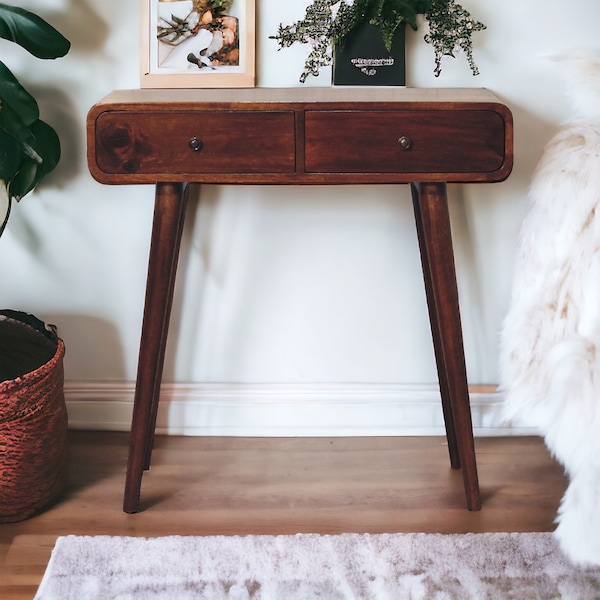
[
  {"x": 451, "y": 27},
  {"x": 329, "y": 22},
  {"x": 387, "y": 15},
  {"x": 29, "y": 148}
]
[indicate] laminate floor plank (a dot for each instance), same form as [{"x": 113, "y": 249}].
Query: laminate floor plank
[{"x": 238, "y": 486}]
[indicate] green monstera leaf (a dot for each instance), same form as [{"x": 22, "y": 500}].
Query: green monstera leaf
[
  {"x": 29, "y": 147},
  {"x": 31, "y": 32},
  {"x": 41, "y": 156}
]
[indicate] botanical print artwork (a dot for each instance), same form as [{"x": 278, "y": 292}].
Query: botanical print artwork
[{"x": 197, "y": 36}]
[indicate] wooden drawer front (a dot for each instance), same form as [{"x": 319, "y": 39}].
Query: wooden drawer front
[
  {"x": 453, "y": 141},
  {"x": 149, "y": 142}
]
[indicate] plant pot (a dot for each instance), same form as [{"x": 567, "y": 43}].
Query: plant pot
[
  {"x": 34, "y": 452},
  {"x": 363, "y": 59}
]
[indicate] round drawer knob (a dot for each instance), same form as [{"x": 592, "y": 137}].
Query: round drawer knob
[
  {"x": 195, "y": 144},
  {"x": 404, "y": 142}
]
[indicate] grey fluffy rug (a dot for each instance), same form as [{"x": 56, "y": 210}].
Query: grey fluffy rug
[{"x": 306, "y": 566}]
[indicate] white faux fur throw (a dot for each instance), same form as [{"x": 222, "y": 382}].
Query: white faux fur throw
[{"x": 550, "y": 341}]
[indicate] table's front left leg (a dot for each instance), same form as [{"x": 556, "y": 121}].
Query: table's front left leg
[
  {"x": 435, "y": 239},
  {"x": 436, "y": 334},
  {"x": 169, "y": 215}
]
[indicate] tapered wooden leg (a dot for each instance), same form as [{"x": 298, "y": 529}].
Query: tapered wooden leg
[
  {"x": 436, "y": 334},
  {"x": 437, "y": 257},
  {"x": 169, "y": 214},
  {"x": 182, "y": 190}
]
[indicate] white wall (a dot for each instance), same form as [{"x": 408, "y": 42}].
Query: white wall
[{"x": 277, "y": 285}]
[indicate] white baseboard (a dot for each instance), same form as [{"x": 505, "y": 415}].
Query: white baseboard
[{"x": 273, "y": 410}]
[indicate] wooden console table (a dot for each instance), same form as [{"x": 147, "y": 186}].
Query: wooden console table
[{"x": 426, "y": 138}]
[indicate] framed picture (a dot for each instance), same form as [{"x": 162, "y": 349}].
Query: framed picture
[{"x": 198, "y": 43}]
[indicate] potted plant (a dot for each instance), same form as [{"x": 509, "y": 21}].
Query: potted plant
[
  {"x": 33, "y": 419},
  {"x": 329, "y": 24}
]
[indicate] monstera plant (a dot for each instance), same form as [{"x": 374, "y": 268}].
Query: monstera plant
[
  {"x": 34, "y": 452},
  {"x": 29, "y": 147}
]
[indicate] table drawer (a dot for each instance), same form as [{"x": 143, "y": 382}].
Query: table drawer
[
  {"x": 195, "y": 142},
  {"x": 412, "y": 141}
]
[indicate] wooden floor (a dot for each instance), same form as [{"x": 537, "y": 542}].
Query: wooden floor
[{"x": 209, "y": 486}]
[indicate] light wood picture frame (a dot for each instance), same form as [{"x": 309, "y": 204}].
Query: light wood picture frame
[{"x": 184, "y": 45}]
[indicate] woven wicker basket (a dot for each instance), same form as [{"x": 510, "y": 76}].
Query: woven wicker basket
[{"x": 33, "y": 417}]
